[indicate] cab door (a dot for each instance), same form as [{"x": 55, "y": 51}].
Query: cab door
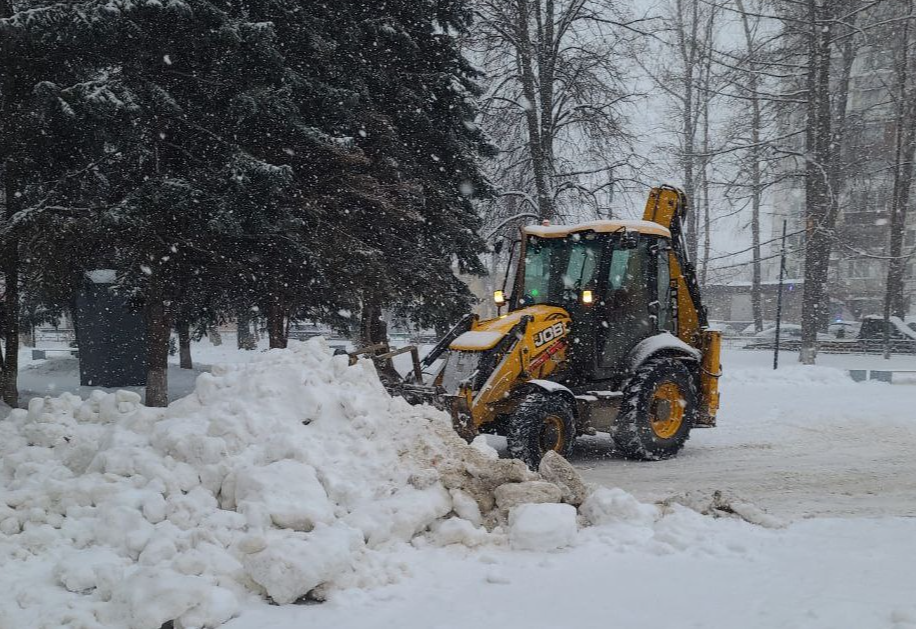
[{"x": 632, "y": 285}]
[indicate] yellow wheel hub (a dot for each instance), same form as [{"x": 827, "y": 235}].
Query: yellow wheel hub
[
  {"x": 666, "y": 412},
  {"x": 553, "y": 434}
]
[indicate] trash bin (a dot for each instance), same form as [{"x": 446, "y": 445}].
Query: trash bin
[{"x": 110, "y": 334}]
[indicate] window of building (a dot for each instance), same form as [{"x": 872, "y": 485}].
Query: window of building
[
  {"x": 861, "y": 269},
  {"x": 870, "y": 198}
]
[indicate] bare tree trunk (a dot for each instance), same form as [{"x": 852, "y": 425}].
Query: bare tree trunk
[
  {"x": 373, "y": 329},
  {"x": 835, "y": 166},
  {"x": 539, "y": 147},
  {"x": 9, "y": 389},
  {"x": 707, "y": 228},
  {"x": 756, "y": 177},
  {"x": 158, "y": 331},
  {"x": 184, "y": 345},
  {"x": 213, "y": 335},
  {"x": 818, "y": 231},
  {"x": 895, "y": 301},
  {"x": 546, "y": 69},
  {"x": 9, "y": 372},
  {"x": 688, "y": 44},
  {"x": 276, "y": 318},
  {"x": 705, "y": 162},
  {"x": 244, "y": 339}
]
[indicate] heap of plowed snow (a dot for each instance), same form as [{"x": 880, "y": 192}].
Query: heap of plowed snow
[{"x": 282, "y": 478}]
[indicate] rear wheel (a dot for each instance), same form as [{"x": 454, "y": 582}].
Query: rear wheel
[
  {"x": 542, "y": 422},
  {"x": 658, "y": 409}
]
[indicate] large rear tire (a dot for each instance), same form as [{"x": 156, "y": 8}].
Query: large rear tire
[
  {"x": 659, "y": 407},
  {"x": 542, "y": 422}
]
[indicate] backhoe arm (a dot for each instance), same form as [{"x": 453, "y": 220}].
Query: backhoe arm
[{"x": 668, "y": 206}]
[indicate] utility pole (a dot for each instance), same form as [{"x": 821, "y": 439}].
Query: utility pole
[{"x": 782, "y": 270}]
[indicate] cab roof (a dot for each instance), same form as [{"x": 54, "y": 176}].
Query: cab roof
[{"x": 598, "y": 226}]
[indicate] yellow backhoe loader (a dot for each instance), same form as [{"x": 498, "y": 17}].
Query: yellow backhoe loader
[{"x": 605, "y": 331}]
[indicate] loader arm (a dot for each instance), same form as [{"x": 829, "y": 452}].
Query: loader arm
[{"x": 668, "y": 207}]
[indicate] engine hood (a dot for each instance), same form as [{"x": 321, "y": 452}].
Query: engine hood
[{"x": 486, "y": 334}]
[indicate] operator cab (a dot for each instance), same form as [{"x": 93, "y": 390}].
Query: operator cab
[{"x": 613, "y": 277}]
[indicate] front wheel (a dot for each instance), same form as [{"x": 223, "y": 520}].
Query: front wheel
[
  {"x": 542, "y": 422},
  {"x": 658, "y": 409}
]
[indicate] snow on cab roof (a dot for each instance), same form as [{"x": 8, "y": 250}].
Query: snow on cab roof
[{"x": 598, "y": 226}]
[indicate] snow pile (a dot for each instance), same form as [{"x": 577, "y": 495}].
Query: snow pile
[
  {"x": 283, "y": 477},
  {"x": 295, "y": 475}
]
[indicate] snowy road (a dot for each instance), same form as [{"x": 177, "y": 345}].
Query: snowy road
[{"x": 800, "y": 442}]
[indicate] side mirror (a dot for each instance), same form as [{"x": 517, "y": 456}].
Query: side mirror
[
  {"x": 499, "y": 298},
  {"x": 498, "y": 246}
]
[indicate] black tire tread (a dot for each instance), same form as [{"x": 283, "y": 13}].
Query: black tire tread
[
  {"x": 632, "y": 434},
  {"x": 524, "y": 426}
]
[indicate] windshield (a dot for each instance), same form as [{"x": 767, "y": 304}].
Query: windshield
[{"x": 556, "y": 269}]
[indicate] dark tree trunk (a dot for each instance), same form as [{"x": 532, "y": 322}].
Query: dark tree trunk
[
  {"x": 373, "y": 329},
  {"x": 818, "y": 230},
  {"x": 9, "y": 372},
  {"x": 276, "y": 319},
  {"x": 213, "y": 335},
  {"x": 895, "y": 300},
  {"x": 834, "y": 152},
  {"x": 184, "y": 344},
  {"x": 756, "y": 185},
  {"x": 688, "y": 43},
  {"x": 540, "y": 137},
  {"x": 244, "y": 338},
  {"x": 899, "y": 302},
  {"x": 158, "y": 331}
]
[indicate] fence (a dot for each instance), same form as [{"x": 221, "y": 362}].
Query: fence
[
  {"x": 54, "y": 335},
  {"x": 826, "y": 346}
]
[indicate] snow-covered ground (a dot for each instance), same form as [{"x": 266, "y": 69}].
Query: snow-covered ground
[
  {"x": 684, "y": 571},
  {"x": 59, "y": 373},
  {"x": 830, "y": 459},
  {"x": 802, "y": 442}
]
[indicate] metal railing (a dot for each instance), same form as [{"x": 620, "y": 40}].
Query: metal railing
[
  {"x": 55, "y": 335},
  {"x": 826, "y": 346}
]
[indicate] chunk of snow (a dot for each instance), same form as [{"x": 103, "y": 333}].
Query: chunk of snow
[
  {"x": 649, "y": 346},
  {"x": 609, "y": 506},
  {"x": 292, "y": 565},
  {"x": 480, "y": 444},
  {"x": 288, "y": 492},
  {"x": 455, "y": 530},
  {"x": 477, "y": 340},
  {"x": 542, "y": 527}
]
